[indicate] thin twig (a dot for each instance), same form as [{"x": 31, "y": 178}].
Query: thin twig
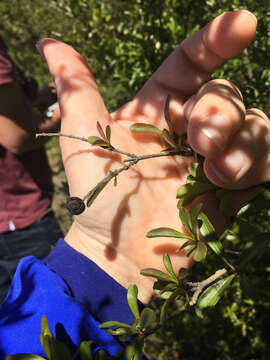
[
  {"x": 150, "y": 156},
  {"x": 131, "y": 162},
  {"x": 132, "y": 156},
  {"x": 86, "y": 140},
  {"x": 199, "y": 286},
  {"x": 114, "y": 149},
  {"x": 108, "y": 177},
  {"x": 133, "y": 159},
  {"x": 64, "y": 135}
]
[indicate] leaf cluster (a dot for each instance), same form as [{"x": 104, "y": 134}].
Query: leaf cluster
[
  {"x": 173, "y": 142},
  {"x": 135, "y": 334}
]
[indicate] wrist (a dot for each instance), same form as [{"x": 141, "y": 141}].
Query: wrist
[{"x": 121, "y": 269}]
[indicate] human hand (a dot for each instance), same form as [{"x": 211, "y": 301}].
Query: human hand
[{"x": 112, "y": 231}]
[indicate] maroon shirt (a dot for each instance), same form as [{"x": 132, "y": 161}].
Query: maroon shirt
[{"x": 25, "y": 180}]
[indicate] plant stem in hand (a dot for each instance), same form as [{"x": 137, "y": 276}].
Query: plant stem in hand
[{"x": 132, "y": 160}]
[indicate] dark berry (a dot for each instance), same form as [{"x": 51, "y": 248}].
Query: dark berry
[{"x": 75, "y": 205}]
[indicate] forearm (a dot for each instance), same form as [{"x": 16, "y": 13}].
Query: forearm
[{"x": 20, "y": 123}]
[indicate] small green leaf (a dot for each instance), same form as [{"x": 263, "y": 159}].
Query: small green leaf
[
  {"x": 190, "y": 179},
  {"x": 190, "y": 250},
  {"x": 85, "y": 350},
  {"x": 260, "y": 202},
  {"x": 245, "y": 210},
  {"x": 102, "y": 355},
  {"x": 209, "y": 234},
  {"x": 114, "y": 324},
  {"x": 97, "y": 189},
  {"x": 193, "y": 215},
  {"x": 53, "y": 348},
  {"x": 164, "y": 289},
  {"x": 45, "y": 330},
  {"x": 200, "y": 252},
  {"x": 108, "y": 133},
  {"x": 46, "y": 337},
  {"x": 24, "y": 357},
  {"x": 187, "y": 243},
  {"x": 186, "y": 200},
  {"x": 164, "y": 309},
  {"x": 168, "y": 265},
  {"x": 46, "y": 343},
  {"x": 194, "y": 189},
  {"x": 196, "y": 171},
  {"x": 148, "y": 318},
  {"x": 167, "y": 232},
  {"x": 95, "y": 140},
  {"x": 158, "y": 275},
  {"x": 118, "y": 332},
  {"x": 192, "y": 169},
  {"x": 184, "y": 217},
  {"x": 212, "y": 294},
  {"x": 163, "y": 286},
  {"x": 145, "y": 128},
  {"x": 132, "y": 294},
  {"x": 134, "y": 350}
]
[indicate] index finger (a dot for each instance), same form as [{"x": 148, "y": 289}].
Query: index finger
[{"x": 193, "y": 62}]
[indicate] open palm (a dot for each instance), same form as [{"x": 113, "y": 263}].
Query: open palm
[{"x": 112, "y": 231}]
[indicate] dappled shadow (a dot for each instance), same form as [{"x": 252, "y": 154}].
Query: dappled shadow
[
  {"x": 105, "y": 154},
  {"x": 123, "y": 210},
  {"x": 170, "y": 249}
]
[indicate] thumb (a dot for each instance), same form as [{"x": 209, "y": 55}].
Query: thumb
[{"x": 80, "y": 102}]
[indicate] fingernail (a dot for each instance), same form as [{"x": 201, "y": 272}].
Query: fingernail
[
  {"x": 214, "y": 128},
  {"x": 251, "y": 14},
  {"x": 40, "y": 48}
]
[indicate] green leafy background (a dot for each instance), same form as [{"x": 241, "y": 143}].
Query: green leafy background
[{"x": 124, "y": 42}]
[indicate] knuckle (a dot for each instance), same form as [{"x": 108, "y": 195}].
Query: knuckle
[{"x": 259, "y": 114}]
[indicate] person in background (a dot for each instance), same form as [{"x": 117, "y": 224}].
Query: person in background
[
  {"x": 83, "y": 280},
  {"x": 27, "y": 223}
]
